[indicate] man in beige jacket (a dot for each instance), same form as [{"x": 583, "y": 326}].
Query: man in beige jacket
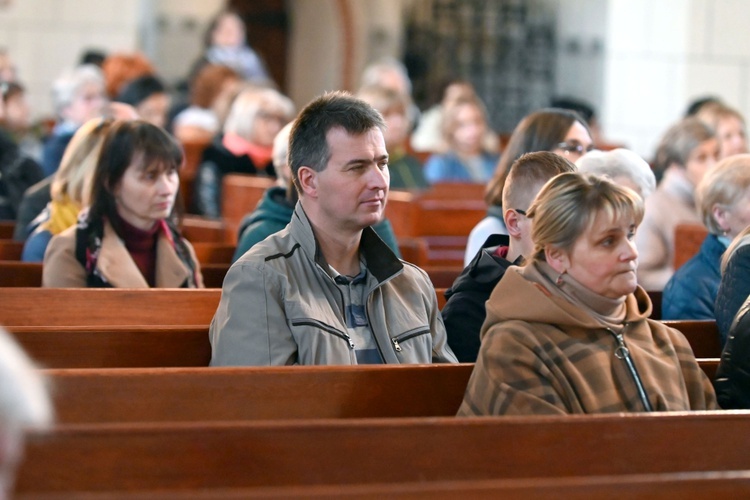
[{"x": 326, "y": 289}]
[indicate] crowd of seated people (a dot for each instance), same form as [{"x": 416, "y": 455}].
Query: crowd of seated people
[{"x": 557, "y": 271}]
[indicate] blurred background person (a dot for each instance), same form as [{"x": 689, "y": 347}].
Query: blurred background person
[
  {"x": 148, "y": 95},
  {"x": 687, "y": 151},
  {"x": 69, "y": 190},
  {"x": 406, "y": 170},
  {"x": 78, "y": 96},
  {"x": 212, "y": 91},
  {"x": 622, "y": 166},
  {"x": 464, "y": 126},
  {"x": 225, "y": 43},
  {"x": 121, "y": 68},
  {"x": 245, "y": 147},
  {"x": 729, "y": 126},
  {"x": 17, "y": 121},
  {"x": 723, "y": 198}
]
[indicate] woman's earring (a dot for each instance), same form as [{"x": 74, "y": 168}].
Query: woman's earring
[{"x": 559, "y": 280}]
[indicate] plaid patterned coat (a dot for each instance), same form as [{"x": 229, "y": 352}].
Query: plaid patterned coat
[{"x": 541, "y": 354}]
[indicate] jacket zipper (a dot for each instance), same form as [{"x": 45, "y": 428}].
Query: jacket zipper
[
  {"x": 326, "y": 328},
  {"x": 622, "y": 352},
  {"x": 406, "y": 336}
]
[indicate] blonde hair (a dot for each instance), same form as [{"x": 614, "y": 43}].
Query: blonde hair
[
  {"x": 567, "y": 205},
  {"x": 450, "y": 116},
  {"x": 249, "y": 104},
  {"x": 73, "y": 178},
  {"x": 724, "y": 185}
]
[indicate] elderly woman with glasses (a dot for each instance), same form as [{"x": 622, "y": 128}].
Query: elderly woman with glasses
[
  {"x": 570, "y": 332},
  {"x": 556, "y": 130}
]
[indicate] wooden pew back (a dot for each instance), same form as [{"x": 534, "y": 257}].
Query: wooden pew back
[
  {"x": 99, "y": 307},
  {"x": 14, "y": 273},
  {"x": 688, "y": 239},
  {"x": 121, "y": 457},
  {"x": 240, "y": 194}
]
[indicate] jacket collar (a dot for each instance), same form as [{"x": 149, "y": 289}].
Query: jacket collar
[
  {"x": 380, "y": 260},
  {"x": 118, "y": 268}
]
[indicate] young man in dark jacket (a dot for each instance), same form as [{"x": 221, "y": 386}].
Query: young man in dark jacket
[{"x": 464, "y": 312}]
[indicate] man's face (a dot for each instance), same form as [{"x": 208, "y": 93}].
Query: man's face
[{"x": 351, "y": 191}]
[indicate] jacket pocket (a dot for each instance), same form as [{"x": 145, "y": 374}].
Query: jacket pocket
[
  {"x": 409, "y": 335},
  {"x": 319, "y": 325}
]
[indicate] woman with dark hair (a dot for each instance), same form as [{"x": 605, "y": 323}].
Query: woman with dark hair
[
  {"x": 148, "y": 95},
  {"x": 556, "y": 130},
  {"x": 128, "y": 237}
]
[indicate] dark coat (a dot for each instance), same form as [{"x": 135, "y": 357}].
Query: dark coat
[
  {"x": 34, "y": 200},
  {"x": 17, "y": 173},
  {"x": 691, "y": 292},
  {"x": 733, "y": 375},
  {"x": 217, "y": 161},
  {"x": 464, "y": 312},
  {"x": 733, "y": 290}
]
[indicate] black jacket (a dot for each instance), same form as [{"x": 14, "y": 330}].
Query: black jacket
[
  {"x": 732, "y": 381},
  {"x": 216, "y": 162},
  {"x": 464, "y": 311},
  {"x": 17, "y": 173},
  {"x": 733, "y": 290}
]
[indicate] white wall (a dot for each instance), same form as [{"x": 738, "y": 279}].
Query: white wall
[
  {"x": 660, "y": 54},
  {"x": 44, "y": 37}
]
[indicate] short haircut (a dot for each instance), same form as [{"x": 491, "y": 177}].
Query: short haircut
[
  {"x": 540, "y": 131},
  {"x": 375, "y": 72},
  {"x": 567, "y": 205},
  {"x": 127, "y": 143},
  {"x": 620, "y": 162},
  {"x": 726, "y": 184},
  {"x": 308, "y": 143},
  {"x": 66, "y": 87},
  {"x": 73, "y": 178},
  {"x": 696, "y": 105},
  {"x": 248, "y": 106},
  {"x": 385, "y": 99},
  {"x": 138, "y": 90},
  {"x": 713, "y": 113},
  {"x": 528, "y": 172},
  {"x": 679, "y": 141}
]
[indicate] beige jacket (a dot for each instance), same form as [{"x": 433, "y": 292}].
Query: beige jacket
[
  {"x": 115, "y": 265},
  {"x": 541, "y": 354},
  {"x": 279, "y": 306}
]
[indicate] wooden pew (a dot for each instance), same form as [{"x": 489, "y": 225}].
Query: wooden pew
[
  {"x": 14, "y": 273},
  {"x": 240, "y": 194},
  {"x": 10, "y": 249},
  {"x": 193, "y": 155},
  {"x": 688, "y": 239},
  {"x": 261, "y": 393},
  {"x": 196, "y": 228},
  {"x": 104, "y": 307},
  {"x": 6, "y": 229},
  {"x": 131, "y": 457},
  {"x": 214, "y": 253},
  {"x": 682, "y": 485},
  {"x": 115, "y": 346},
  {"x": 213, "y": 274},
  {"x": 702, "y": 335}
]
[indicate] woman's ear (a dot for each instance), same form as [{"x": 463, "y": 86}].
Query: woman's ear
[
  {"x": 557, "y": 258},
  {"x": 307, "y": 179},
  {"x": 720, "y": 215}
]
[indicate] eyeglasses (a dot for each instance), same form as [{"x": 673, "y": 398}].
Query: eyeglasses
[
  {"x": 575, "y": 148},
  {"x": 519, "y": 211}
]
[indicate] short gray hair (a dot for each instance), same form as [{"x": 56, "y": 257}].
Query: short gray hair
[
  {"x": 69, "y": 83},
  {"x": 725, "y": 184},
  {"x": 248, "y": 105},
  {"x": 620, "y": 162}
]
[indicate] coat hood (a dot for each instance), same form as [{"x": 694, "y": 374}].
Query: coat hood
[{"x": 516, "y": 297}]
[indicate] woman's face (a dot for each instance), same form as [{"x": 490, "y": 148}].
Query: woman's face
[
  {"x": 229, "y": 32},
  {"x": 396, "y": 127},
  {"x": 469, "y": 129},
  {"x": 146, "y": 195},
  {"x": 577, "y": 142},
  {"x": 701, "y": 160},
  {"x": 154, "y": 109},
  {"x": 268, "y": 123},
  {"x": 731, "y": 134},
  {"x": 604, "y": 258}
]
